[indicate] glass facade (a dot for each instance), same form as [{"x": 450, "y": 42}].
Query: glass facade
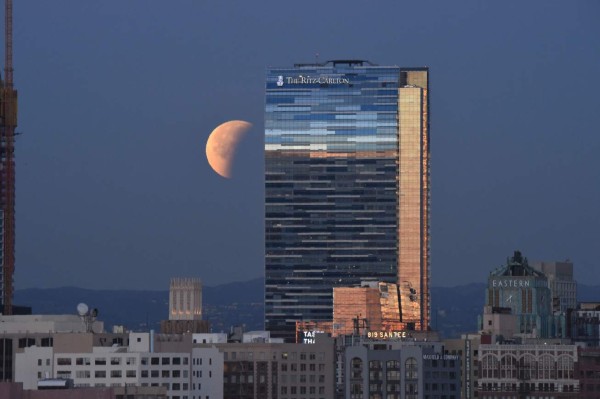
[{"x": 346, "y": 188}]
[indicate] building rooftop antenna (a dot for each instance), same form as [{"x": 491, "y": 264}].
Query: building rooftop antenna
[{"x": 87, "y": 315}]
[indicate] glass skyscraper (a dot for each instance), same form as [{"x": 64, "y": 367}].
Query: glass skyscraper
[{"x": 346, "y": 188}]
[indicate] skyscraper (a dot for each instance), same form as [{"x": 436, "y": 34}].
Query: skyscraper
[{"x": 346, "y": 188}]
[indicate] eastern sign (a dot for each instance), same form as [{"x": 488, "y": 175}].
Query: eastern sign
[{"x": 510, "y": 283}]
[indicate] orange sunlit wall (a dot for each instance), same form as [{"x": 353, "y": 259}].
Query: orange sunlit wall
[{"x": 413, "y": 203}]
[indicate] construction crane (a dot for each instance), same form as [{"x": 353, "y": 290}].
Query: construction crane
[{"x": 8, "y": 123}]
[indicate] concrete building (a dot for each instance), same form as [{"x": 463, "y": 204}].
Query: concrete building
[
  {"x": 401, "y": 370},
  {"x": 467, "y": 348},
  {"x": 18, "y": 332},
  {"x": 260, "y": 368},
  {"x": 499, "y": 323},
  {"x": 529, "y": 370},
  {"x": 184, "y": 366},
  {"x": 585, "y": 324},
  {"x": 587, "y": 370},
  {"x": 109, "y": 360},
  {"x": 563, "y": 286},
  {"x": 207, "y": 373},
  {"x": 46, "y": 324},
  {"x": 14, "y": 390},
  {"x": 346, "y": 188}
]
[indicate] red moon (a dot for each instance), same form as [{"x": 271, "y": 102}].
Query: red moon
[{"x": 222, "y": 144}]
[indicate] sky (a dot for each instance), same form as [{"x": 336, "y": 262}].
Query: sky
[{"x": 117, "y": 99}]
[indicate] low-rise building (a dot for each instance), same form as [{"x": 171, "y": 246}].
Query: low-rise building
[
  {"x": 467, "y": 348},
  {"x": 261, "y": 367},
  {"x": 587, "y": 370},
  {"x": 401, "y": 370},
  {"x": 538, "y": 370}
]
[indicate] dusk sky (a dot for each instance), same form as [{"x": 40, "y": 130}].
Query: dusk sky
[{"x": 117, "y": 99}]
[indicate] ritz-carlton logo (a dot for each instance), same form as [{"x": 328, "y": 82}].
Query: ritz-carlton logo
[{"x": 303, "y": 80}]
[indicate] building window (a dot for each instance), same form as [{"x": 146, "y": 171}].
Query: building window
[
  {"x": 63, "y": 361},
  {"x": 83, "y": 374},
  {"x": 116, "y": 374},
  {"x": 411, "y": 374}
]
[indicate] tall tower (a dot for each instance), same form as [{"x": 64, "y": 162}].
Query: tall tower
[
  {"x": 8, "y": 123},
  {"x": 185, "y": 299},
  {"x": 346, "y": 188}
]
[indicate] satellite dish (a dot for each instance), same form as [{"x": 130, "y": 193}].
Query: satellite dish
[{"x": 82, "y": 309}]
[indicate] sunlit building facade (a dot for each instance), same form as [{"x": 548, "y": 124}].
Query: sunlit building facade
[{"x": 346, "y": 188}]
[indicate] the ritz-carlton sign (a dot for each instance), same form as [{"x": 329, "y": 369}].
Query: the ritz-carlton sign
[
  {"x": 304, "y": 80},
  {"x": 510, "y": 283}
]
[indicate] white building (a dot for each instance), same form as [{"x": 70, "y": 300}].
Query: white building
[
  {"x": 75, "y": 356},
  {"x": 207, "y": 373},
  {"x": 45, "y": 324}
]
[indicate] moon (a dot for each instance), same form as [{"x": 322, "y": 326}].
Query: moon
[{"x": 222, "y": 144}]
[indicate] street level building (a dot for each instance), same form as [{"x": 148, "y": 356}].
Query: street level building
[{"x": 346, "y": 188}]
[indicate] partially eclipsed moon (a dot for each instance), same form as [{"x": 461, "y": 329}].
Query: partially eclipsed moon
[{"x": 222, "y": 144}]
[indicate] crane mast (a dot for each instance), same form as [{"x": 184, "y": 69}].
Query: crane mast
[{"x": 8, "y": 123}]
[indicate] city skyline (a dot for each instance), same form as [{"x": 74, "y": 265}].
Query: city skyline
[{"x": 116, "y": 104}]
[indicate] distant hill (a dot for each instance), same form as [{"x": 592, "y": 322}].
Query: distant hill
[
  {"x": 224, "y": 305},
  {"x": 454, "y": 309}
]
